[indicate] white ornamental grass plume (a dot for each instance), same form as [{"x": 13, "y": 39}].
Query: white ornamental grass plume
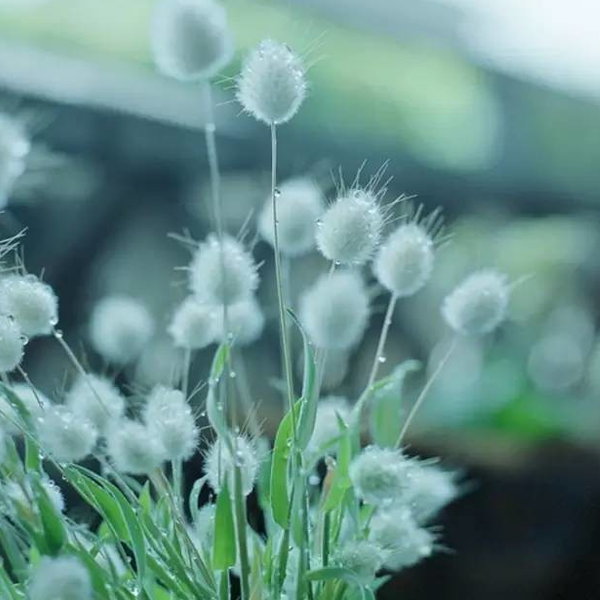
[
  {"x": 477, "y": 305},
  {"x": 32, "y": 303},
  {"x": 299, "y": 205},
  {"x": 272, "y": 84},
  {"x": 220, "y": 463},
  {"x": 191, "y": 39},
  {"x": 67, "y": 437},
  {"x": 97, "y": 399},
  {"x": 119, "y": 329},
  {"x": 15, "y": 147},
  {"x": 403, "y": 542},
  {"x": 335, "y": 368},
  {"x": 349, "y": 231},
  {"x": 194, "y": 325},
  {"x": 245, "y": 322},
  {"x": 222, "y": 274},
  {"x": 21, "y": 493},
  {"x": 335, "y": 310},
  {"x": 381, "y": 476},
  {"x": 327, "y": 427},
  {"x": 362, "y": 557},
  {"x": 204, "y": 526},
  {"x": 34, "y": 402},
  {"x": 431, "y": 489},
  {"x": 169, "y": 419},
  {"x": 132, "y": 448},
  {"x": 60, "y": 578}
]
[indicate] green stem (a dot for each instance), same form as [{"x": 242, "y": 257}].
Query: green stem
[{"x": 240, "y": 528}]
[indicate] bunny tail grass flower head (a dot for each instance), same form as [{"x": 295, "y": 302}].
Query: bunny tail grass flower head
[
  {"x": 477, "y": 305},
  {"x": 272, "y": 84},
  {"x": 15, "y": 147},
  {"x": 194, "y": 325},
  {"x": 35, "y": 402},
  {"x": 191, "y": 39},
  {"x": 132, "y": 449},
  {"x": 335, "y": 310},
  {"x": 67, "y": 437},
  {"x": 32, "y": 304},
  {"x": 222, "y": 273},
  {"x": 120, "y": 327},
  {"x": 96, "y": 399},
  {"x": 169, "y": 419},
  {"x": 403, "y": 542},
  {"x": 220, "y": 463},
  {"x": 22, "y": 494},
  {"x": 327, "y": 427},
  {"x": 362, "y": 557},
  {"x": 299, "y": 205},
  {"x": 11, "y": 344},
  {"x": 245, "y": 322},
  {"x": 60, "y": 578}
]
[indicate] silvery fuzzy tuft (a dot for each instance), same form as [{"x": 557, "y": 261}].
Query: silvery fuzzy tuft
[
  {"x": 11, "y": 344},
  {"x": 327, "y": 427},
  {"x": 402, "y": 540},
  {"x": 15, "y": 147},
  {"x": 335, "y": 310},
  {"x": 119, "y": 328},
  {"x": 193, "y": 325},
  {"x": 15, "y": 493},
  {"x": 219, "y": 463},
  {"x": 60, "y": 578},
  {"x": 272, "y": 84},
  {"x": 67, "y": 437},
  {"x": 245, "y": 322},
  {"x": 132, "y": 448},
  {"x": 169, "y": 419},
  {"x": 191, "y": 39},
  {"x": 381, "y": 476},
  {"x": 299, "y": 205},
  {"x": 431, "y": 489},
  {"x": 349, "y": 231},
  {"x": 97, "y": 399},
  {"x": 478, "y": 304},
  {"x": 362, "y": 557},
  {"x": 405, "y": 260},
  {"x": 204, "y": 526},
  {"x": 222, "y": 274},
  {"x": 32, "y": 403},
  {"x": 31, "y": 302},
  {"x": 335, "y": 368}
]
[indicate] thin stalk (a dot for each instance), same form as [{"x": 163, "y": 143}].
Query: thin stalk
[
  {"x": 387, "y": 321},
  {"x": 28, "y": 381},
  {"x": 240, "y": 528},
  {"x": 280, "y": 300},
  {"x": 424, "y": 392},
  {"x": 185, "y": 376}
]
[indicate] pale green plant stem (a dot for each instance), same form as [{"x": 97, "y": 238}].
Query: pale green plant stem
[
  {"x": 28, "y": 381},
  {"x": 385, "y": 329},
  {"x": 424, "y": 392},
  {"x": 240, "y": 524}
]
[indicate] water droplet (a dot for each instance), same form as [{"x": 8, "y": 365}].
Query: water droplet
[
  {"x": 232, "y": 374},
  {"x": 58, "y": 333},
  {"x": 277, "y": 192},
  {"x": 381, "y": 359},
  {"x": 314, "y": 480}
]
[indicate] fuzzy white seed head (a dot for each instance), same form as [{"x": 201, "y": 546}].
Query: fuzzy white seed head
[
  {"x": 61, "y": 578},
  {"x": 401, "y": 539},
  {"x": 11, "y": 344},
  {"x": 120, "y": 327},
  {"x": 169, "y": 419},
  {"x": 222, "y": 274},
  {"x": 335, "y": 310},
  {"x": 380, "y": 476},
  {"x": 479, "y": 304},
  {"x": 193, "y": 325},
  {"x": 23, "y": 494},
  {"x": 349, "y": 231},
  {"x": 32, "y": 303},
  {"x": 405, "y": 260},
  {"x": 327, "y": 427},
  {"x": 132, "y": 448},
  {"x": 191, "y": 39},
  {"x": 245, "y": 322},
  {"x": 220, "y": 463},
  {"x": 96, "y": 399},
  {"x": 431, "y": 488},
  {"x": 272, "y": 84},
  {"x": 362, "y": 557},
  {"x": 299, "y": 205},
  {"x": 66, "y": 436},
  {"x": 14, "y": 149},
  {"x": 204, "y": 526},
  {"x": 9, "y": 417}
]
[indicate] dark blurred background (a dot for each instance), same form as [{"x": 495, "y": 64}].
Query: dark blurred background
[{"x": 489, "y": 108}]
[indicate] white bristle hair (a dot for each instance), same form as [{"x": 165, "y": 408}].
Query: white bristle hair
[
  {"x": 132, "y": 448},
  {"x": 335, "y": 310},
  {"x": 21, "y": 493},
  {"x": 193, "y": 325},
  {"x": 362, "y": 557},
  {"x": 60, "y": 578},
  {"x": 299, "y": 205},
  {"x": 33, "y": 401},
  {"x": 191, "y": 39},
  {"x": 245, "y": 322},
  {"x": 272, "y": 84},
  {"x": 119, "y": 329},
  {"x": 431, "y": 489},
  {"x": 478, "y": 305}
]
